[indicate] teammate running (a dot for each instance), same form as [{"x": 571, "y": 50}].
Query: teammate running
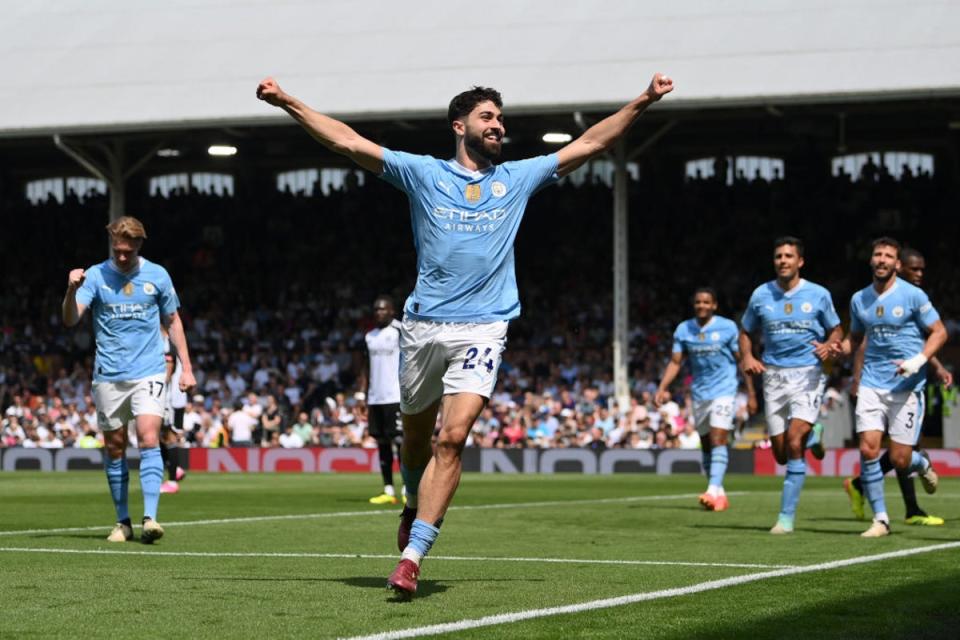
[
  {"x": 798, "y": 322},
  {"x": 903, "y": 332},
  {"x": 710, "y": 341}
]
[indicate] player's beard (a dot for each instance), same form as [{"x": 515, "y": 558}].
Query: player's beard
[{"x": 489, "y": 149}]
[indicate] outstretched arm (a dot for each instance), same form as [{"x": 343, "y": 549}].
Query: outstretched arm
[
  {"x": 331, "y": 133},
  {"x": 602, "y": 135}
]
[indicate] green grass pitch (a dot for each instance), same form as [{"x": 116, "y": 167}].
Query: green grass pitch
[{"x": 291, "y": 555}]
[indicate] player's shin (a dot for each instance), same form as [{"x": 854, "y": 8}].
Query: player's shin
[
  {"x": 871, "y": 477},
  {"x": 118, "y": 478},
  {"x": 792, "y": 486},
  {"x": 151, "y": 477}
]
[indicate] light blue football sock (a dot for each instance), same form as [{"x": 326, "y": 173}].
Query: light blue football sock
[
  {"x": 917, "y": 462},
  {"x": 151, "y": 477},
  {"x": 118, "y": 477},
  {"x": 719, "y": 457},
  {"x": 411, "y": 482},
  {"x": 871, "y": 478},
  {"x": 705, "y": 454},
  {"x": 792, "y": 486},
  {"x": 422, "y": 537}
]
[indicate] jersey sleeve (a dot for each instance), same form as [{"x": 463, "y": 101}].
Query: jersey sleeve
[
  {"x": 536, "y": 173},
  {"x": 87, "y": 292},
  {"x": 828, "y": 313},
  {"x": 856, "y": 324},
  {"x": 167, "y": 296},
  {"x": 734, "y": 340},
  {"x": 405, "y": 171},
  {"x": 677, "y": 340},
  {"x": 924, "y": 310},
  {"x": 749, "y": 321}
]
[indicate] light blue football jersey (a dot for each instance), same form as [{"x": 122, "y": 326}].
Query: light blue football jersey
[
  {"x": 712, "y": 351},
  {"x": 790, "y": 321},
  {"x": 126, "y": 310},
  {"x": 895, "y": 324},
  {"x": 464, "y": 224}
]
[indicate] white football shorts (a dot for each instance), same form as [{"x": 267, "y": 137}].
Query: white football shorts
[
  {"x": 120, "y": 402},
  {"x": 900, "y": 413},
  {"x": 792, "y": 392},
  {"x": 440, "y": 358},
  {"x": 716, "y": 413}
]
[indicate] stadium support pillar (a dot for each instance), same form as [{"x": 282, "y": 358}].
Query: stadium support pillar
[
  {"x": 621, "y": 268},
  {"x": 621, "y": 280},
  {"x": 111, "y": 167}
]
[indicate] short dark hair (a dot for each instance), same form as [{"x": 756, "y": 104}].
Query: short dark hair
[
  {"x": 383, "y": 297},
  {"x": 463, "y": 103},
  {"x": 886, "y": 241},
  {"x": 791, "y": 240},
  {"x": 909, "y": 252},
  {"x": 708, "y": 290}
]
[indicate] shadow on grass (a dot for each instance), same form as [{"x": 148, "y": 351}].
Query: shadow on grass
[
  {"x": 916, "y": 610},
  {"x": 73, "y": 536}
]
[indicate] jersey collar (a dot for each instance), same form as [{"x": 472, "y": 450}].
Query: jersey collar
[
  {"x": 893, "y": 287},
  {"x": 125, "y": 274},
  {"x": 461, "y": 170},
  {"x": 704, "y": 327},
  {"x": 787, "y": 294}
]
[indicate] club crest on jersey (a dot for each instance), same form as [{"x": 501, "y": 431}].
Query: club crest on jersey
[
  {"x": 149, "y": 289},
  {"x": 701, "y": 337},
  {"x": 898, "y": 311},
  {"x": 128, "y": 289},
  {"x": 788, "y": 308},
  {"x": 715, "y": 336},
  {"x": 880, "y": 311},
  {"x": 498, "y": 189},
  {"x": 472, "y": 192},
  {"x": 806, "y": 307}
]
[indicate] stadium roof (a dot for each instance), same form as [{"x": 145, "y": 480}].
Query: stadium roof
[{"x": 96, "y": 66}]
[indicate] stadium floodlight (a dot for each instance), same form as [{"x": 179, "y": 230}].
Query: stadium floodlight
[
  {"x": 557, "y": 138},
  {"x": 222, "y": 150},
  {"x": 168, "y": 153}
]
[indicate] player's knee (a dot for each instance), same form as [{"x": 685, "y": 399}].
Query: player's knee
[
  {"x": 869, "y": 450},
  {"x": 901, "y": 459},
  {"x": 450, "y": 443}
]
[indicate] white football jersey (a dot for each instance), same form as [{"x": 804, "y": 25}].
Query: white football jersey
[{"x": 383, "y": 349}]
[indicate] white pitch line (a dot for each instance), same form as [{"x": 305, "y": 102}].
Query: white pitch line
[
  {"x": 348, "y": 514},
  {"x": 606, "y": 603},
  {"x": 371, "y": 556}
]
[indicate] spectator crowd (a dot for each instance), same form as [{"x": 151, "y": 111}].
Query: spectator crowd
[{"x": 277, "y": 291}]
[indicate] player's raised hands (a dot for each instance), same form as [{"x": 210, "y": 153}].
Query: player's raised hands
[
  {"x": 75, "y": 279},
  {"x": 270, "y": 92},
  {"x": 660, "y": 86}
]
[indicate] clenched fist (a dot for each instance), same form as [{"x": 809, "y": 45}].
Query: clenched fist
[
  {"x": 270, "y": 92},
  {"x": 660, "y": 86},
  {"x": 75, "y": 279}
]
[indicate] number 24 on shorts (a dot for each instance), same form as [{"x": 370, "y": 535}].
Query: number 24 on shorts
[{"x": 471, "y": 361}]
